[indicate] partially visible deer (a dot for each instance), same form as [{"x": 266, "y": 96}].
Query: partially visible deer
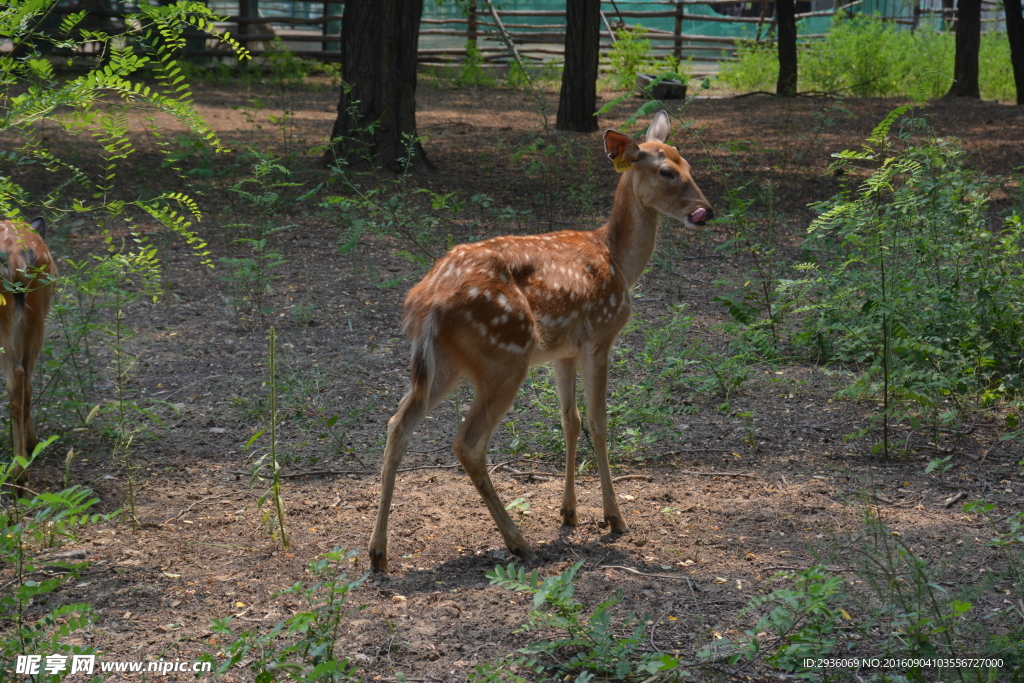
[
  {"x": 26, "y": 285},
  {"x": 490, "y": 310}
]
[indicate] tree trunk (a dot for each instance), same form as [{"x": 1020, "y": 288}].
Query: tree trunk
[
  {"x": 376, "y": 121},
  {"x": 1015, "y": 31},
  {"x": 578, "y": 99},
  {"x": 968, "y": 43},
  {"x": 785, "y": 14}
]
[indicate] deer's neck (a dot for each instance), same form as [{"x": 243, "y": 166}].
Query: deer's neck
[{"x": 631, "y": 231}]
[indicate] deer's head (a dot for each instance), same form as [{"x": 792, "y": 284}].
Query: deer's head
[{"x": 659, "y": 175}]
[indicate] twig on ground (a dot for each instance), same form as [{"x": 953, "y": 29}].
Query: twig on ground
[
  {"x": 429, "y": 467},
  {"x": 696, "y": 450},
  {"x": 716, "y": 474},
  {"x": 189, "y": 508},
  {"x": 627, "y": 477},
  {"x": 192, "y": 384},
  {"x": 508, "y": 463},
  {"x": 878, "y": 497},
  {"x": 952, "y": 499},
  {"x": 640, "y": 573},
  {"x": 310, "y": 473}
]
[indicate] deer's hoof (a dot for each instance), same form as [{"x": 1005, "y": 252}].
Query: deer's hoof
[
  {"x": 379, "y": 561},
  {"x": 569, "y": 516},
  {"x": 524, "y": 552},
  {"x": 615, "y": 522}
]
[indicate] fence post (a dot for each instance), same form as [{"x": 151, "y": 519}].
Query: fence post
[
  {"x": 247, "y": 9},
  {"x": 678, "y": 33}
]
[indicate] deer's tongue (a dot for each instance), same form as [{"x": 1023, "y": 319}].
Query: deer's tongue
[{"x": 698, "y": 215}]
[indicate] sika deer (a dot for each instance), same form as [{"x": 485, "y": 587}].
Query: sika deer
[
  {"x": 490, "y": 310},
  {"x": 26, "y": 275}
]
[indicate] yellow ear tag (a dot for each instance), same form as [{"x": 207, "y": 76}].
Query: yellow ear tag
[{"x": 622, "y": 165}]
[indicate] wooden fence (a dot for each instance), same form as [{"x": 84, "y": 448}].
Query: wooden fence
[{"x": 537, "y": 34}]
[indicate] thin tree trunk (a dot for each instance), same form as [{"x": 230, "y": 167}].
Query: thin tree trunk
[
  {"x": 968, "y": 43},
  {"x": 1015, "y": 32},
  {"x": 785, "y": 14},
  {"x": 376, "y": 121},
  {"x": 578, "y": 99},
  {"x": 949, "y": 14}
]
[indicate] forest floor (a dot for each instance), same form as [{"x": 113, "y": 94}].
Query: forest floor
[{"x": 731, "y": 495}]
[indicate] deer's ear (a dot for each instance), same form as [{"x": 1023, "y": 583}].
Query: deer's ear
[
  {"x": 617, "y": 145},
  {"x": 39, "y": 225},
  {"x": 659, "y": 128}
]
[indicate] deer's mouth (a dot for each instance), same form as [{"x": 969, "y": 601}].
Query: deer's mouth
[{"x": 698, "y": 217}]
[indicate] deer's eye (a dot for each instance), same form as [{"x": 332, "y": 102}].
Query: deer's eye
[{"x": 667, "y": 173}]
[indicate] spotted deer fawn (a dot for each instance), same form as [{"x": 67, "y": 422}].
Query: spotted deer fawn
[
  {"x": 26, "y": 278},
  {"x": 490, "y": 310}
]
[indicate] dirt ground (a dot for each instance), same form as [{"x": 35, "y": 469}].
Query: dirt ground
[{"x": 725, "y": 503}]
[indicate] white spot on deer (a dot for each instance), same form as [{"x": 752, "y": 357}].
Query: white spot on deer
[
  {"x": 503, "y": 302},
  {"x": 487, "y": 294},
  {"x": 504, "y": 318},
  {"x": 493, "y": 340},
  {"x": 611, "y": 299},
  {"x": 504, "y": 278},
  {"x": 469, "y": 316},
  {"x": 611, "y": 268},
  {"x": 473, "y": 292}
]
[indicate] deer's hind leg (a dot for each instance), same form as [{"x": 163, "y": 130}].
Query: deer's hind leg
[
  {"x": 37, "y": 304},
  {"x": 565, "y": 380},
  {"x": 494, "y": 396},
  {"x": 420, "y": 400}
]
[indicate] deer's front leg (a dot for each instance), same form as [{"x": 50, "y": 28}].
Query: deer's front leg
[
  {"x": 565, "y": 380},
  {"x": 595, "y": 384}
]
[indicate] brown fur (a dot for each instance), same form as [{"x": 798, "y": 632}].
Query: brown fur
[
  {"x": 26, "y": 272},
  {"x": 490, "y": 310}
]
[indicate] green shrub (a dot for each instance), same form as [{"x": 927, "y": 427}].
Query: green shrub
[
  {"x": 757, "y": 68},
  {"x": 912, "y": 282},
  {"x": 866, "y": 57},
  {"x": 302, "y": 647},
  {"x": 30, "y": 528},
  {"x": 995, "y": 71},
  {"x": 888, "y": 602},
  {"x": 630, "y": 55},
  {"x": 586, "y": 646}
]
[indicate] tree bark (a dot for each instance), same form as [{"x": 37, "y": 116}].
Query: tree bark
[
  {"x": 376, "y": 121},
  {"x": 1015, "y": 32},
  {"x": 785, "y": 14},
  {"x": 578, "y": 99},
  {"x": 968, "y": 43}
]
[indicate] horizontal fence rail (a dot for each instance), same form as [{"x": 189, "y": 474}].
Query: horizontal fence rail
[{"x": 699, "y": 33}]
